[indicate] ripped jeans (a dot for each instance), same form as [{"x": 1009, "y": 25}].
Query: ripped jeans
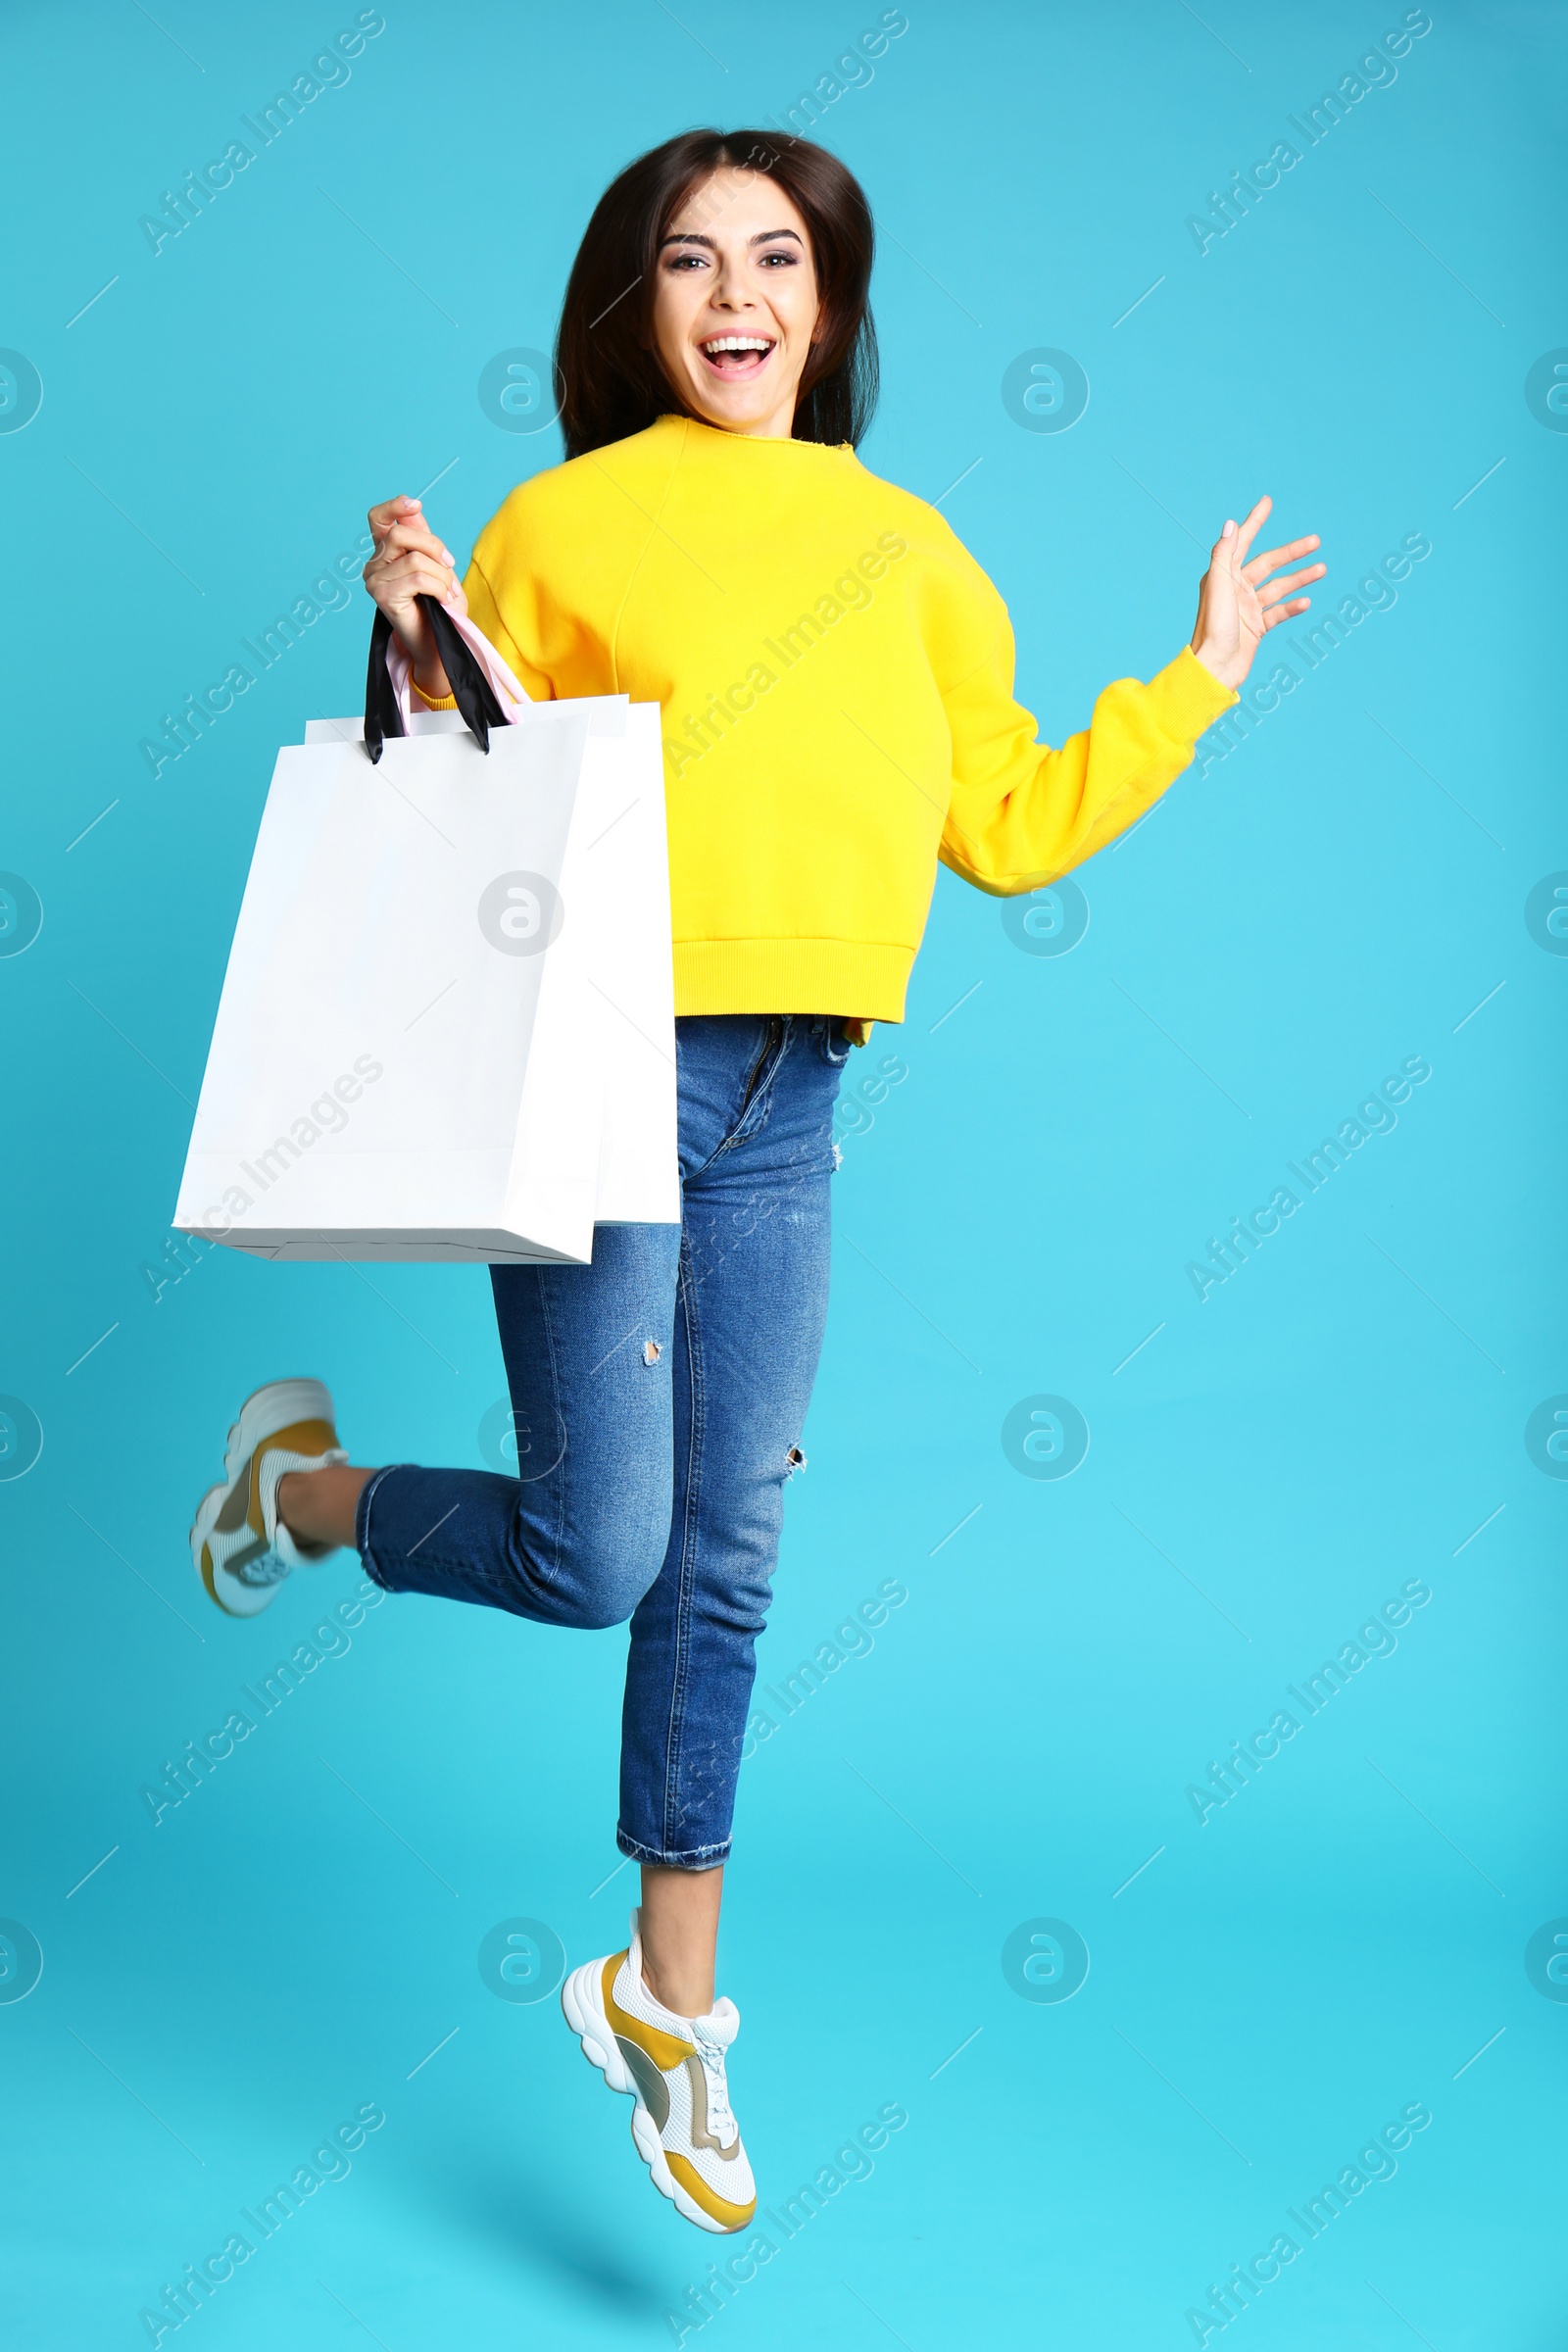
[{"x": 657, "y": 1398}]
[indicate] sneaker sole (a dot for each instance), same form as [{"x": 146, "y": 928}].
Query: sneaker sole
[{"x": 584, "y": 2008}]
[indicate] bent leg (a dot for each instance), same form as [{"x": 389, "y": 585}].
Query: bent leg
[{"x": 579, "y": 1534}]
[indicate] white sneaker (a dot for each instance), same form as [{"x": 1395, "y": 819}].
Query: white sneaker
[
  {"x": 674, "y": 2068},
  {"x": 241, "y": 1549}
]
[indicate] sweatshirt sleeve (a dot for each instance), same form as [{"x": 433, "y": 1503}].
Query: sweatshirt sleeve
[{"x": 1020, "y": 813}]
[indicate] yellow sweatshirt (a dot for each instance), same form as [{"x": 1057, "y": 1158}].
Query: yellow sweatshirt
[{"x": 835, "y": 673}]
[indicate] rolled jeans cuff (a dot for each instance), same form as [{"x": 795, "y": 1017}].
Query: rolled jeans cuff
[
  {"x": 361, "y": 1523},
  {"x": 697, "y": 1857}
]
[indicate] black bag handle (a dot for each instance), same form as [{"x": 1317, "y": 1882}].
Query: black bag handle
[{"x": 475, "y": 695}]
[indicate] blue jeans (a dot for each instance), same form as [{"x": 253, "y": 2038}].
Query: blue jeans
[{"x": 657, "y": 1396}]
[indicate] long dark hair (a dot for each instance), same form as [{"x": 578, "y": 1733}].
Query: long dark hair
[{"x": 606, "y": 370}]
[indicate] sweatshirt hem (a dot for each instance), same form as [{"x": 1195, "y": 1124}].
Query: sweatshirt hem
[{"x": 847, "y": 977}]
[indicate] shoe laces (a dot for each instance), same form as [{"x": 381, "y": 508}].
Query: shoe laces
[{"x": 710, "y": 2051}]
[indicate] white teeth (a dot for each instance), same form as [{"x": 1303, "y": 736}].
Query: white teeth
[{"x": 737, "y": 343}]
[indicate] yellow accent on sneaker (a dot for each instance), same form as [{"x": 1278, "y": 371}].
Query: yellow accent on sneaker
[
  {"x": 666, "y": 2050},
  {"x": 300, "y": 1437},
  {"x": 239, "y": 1559},
  {"x": 238, "y": 1510},
  {"x": 717, "y": 2208}
]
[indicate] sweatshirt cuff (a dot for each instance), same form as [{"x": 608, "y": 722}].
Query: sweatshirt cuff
[
  {"x": 1189, "y": 698},
  {"x": 447, "y": 702}
]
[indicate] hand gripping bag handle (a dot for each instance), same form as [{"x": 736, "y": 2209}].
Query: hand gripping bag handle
[{"x": 472, "y": 691}]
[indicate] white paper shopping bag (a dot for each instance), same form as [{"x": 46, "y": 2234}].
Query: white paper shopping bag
[{"x": 446, "y": 1030}]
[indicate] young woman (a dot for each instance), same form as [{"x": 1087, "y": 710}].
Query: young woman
[{"x": 835, "y": 673}]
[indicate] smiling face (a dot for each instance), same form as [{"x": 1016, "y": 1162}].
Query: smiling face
[{"x": 735, "y": 304}]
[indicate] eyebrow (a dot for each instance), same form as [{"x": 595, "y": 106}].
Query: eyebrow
[{"x": 692, "y": 237}]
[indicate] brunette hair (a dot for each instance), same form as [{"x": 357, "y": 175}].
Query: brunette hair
[{"x": 606, "y": 370}]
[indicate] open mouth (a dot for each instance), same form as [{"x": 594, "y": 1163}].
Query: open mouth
[{"x": 737, "y": 357}]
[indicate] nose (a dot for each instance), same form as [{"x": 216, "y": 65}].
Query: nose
[{"x": 729, "y": 291}]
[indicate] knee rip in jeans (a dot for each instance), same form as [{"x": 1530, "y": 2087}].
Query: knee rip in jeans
[
  {"x": 794, "y": 1460},
  {"x": 652, "y": 1351}
]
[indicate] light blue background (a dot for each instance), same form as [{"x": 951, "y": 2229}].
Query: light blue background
[{"x": 1337, "y": 1419}]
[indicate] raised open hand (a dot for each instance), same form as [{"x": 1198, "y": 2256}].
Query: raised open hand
[{"x": 1236, "y": 602}]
